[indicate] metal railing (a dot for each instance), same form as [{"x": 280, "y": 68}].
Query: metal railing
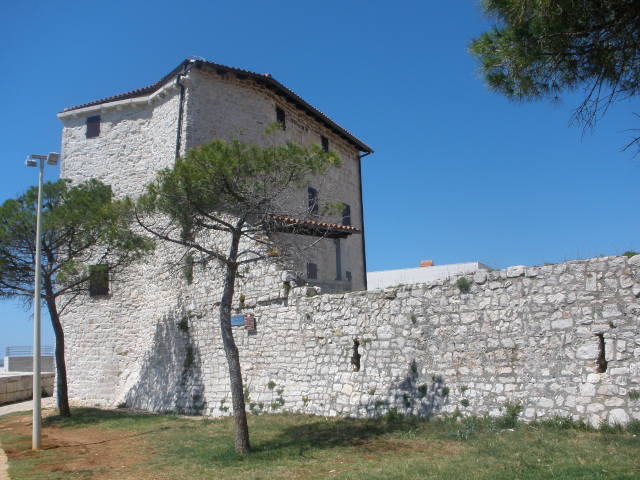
[{"x": 28, "y": 351}]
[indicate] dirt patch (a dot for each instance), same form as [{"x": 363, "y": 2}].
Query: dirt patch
[{"x": 82, "y": 452}]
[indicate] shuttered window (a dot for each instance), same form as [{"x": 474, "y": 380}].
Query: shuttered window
[
  {"x": 98, "y": 280},
  {"x": 312, "y": 271},
  {"x": 325, "y": 143},
  {"x": 346, "y": 215},
  {"x": 281, "y": 118},
  {"x": 93, "y": 126}
]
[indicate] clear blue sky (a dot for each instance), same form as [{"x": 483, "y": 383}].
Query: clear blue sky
[{"x": 459, "y": 174}]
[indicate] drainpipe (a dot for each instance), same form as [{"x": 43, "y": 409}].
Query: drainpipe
[
  {"x": 364, "y": 255},
  {"x": 181, "y": 106}
]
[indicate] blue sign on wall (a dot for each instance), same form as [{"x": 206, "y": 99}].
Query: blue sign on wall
[{"x": 237, "y": 320}]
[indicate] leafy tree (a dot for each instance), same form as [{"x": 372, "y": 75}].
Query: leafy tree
[
  {"x": 220, "y": 202},
  {"x": 540, "y": 48},
  {"x": 85, "y": 240}
]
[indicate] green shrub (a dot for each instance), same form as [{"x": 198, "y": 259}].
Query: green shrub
[
  {"x": 469, "y": 427},
  {"x": 464, "y": 402},
  {"x": 256, "y": 408},
  {"x": 560, "y": 423},
  {"x": 183, "y": 324},
  {"x": 634, "y": 394},
  {"x": 422, "y": 390},
  {"x": 629, "y": 254},
  {"x": 633, "y": 427},
  {"x": 509, "y": 418},
  {"x": 392, "y": 415},
  {"x": 611, "y": 429},
  {"x": 463, "y": 284}
]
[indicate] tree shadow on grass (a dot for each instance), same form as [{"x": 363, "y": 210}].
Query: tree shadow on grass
[
  {"x": 334, "y": 433},
  {"x": 84, "y": 417}
]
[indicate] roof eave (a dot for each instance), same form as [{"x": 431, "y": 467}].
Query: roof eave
[{"x": 267, "y": 79}]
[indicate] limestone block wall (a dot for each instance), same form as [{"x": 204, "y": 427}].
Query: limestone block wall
[
  {"x": 535, "y": 335},
  {"x": 17, "y": 387},
  {"x": 139, "y": 138},
  {"x": 224, "y": 106},
  {"x": 135, "y": 142}
]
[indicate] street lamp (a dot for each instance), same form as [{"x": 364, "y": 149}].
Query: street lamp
[{"x": 32, "y": 161}]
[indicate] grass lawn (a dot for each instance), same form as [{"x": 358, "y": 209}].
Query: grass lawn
[{"x": 103, "y": 444}]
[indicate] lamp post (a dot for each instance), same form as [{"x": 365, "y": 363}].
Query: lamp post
[{"x": 32, "y": 161}]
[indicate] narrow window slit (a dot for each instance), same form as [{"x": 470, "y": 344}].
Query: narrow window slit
[
  {"x": 601, "y": 362},
  {"x": 355, "y": 359}
]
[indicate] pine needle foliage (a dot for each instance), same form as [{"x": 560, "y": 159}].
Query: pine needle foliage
[{"x": 538, "y": 49}]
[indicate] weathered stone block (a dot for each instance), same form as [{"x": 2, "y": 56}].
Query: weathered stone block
[{"x": 618, "y": 416}]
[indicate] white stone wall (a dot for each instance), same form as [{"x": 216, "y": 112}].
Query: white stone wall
[
  {"x": 523, "y": 335},
  {"x": 135, "y": 142},
  {"x": 110, "y": 339},
  {"x": 17, "y": 387},
  {"x": 227, "y": 107},
  {"x": 408, "y": 276},
  {"x": 25, "y": 364}
]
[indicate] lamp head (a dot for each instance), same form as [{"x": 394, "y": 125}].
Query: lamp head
[
  {"x": 30, "y": 162},
  {"x": 53, "y": 158}
]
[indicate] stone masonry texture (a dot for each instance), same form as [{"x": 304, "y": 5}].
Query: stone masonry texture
[
  {"x": 528, "y": 335},
  {"x": 138, "y": 140}
]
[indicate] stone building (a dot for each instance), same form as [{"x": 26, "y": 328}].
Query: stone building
[
  {"x": 558, "y": 340},
  {"x": 125, "y": 139}
]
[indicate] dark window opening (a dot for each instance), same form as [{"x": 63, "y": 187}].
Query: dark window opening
[
  {"x": 325, "y": 143},
  {"x": 281, "y": 118},
  {"x": 346, "y": 214},
  {"x": 98, "y": 280},
  {"x": 312, "y": 271},
  {"x": 336, "y": 242},
  {"x": 601, "y": 362},
  {"x": 355, "y": 359},
  {"x": 93, "y": 126},
  {"x": 348, "y": 275},
  {"x": 312, "y": 195}
]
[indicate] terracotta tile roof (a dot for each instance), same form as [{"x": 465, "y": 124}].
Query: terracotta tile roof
[
  {"x": 265, "y": 78},
  {"x": 312, "y": 227},
  {"x": 426, "y": 263},
  {"x": 135, "y": 93}
]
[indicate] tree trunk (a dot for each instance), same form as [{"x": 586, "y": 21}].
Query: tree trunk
[
  {"x": 231, "y": 350},
  {"x": 61, "y": 368}
]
